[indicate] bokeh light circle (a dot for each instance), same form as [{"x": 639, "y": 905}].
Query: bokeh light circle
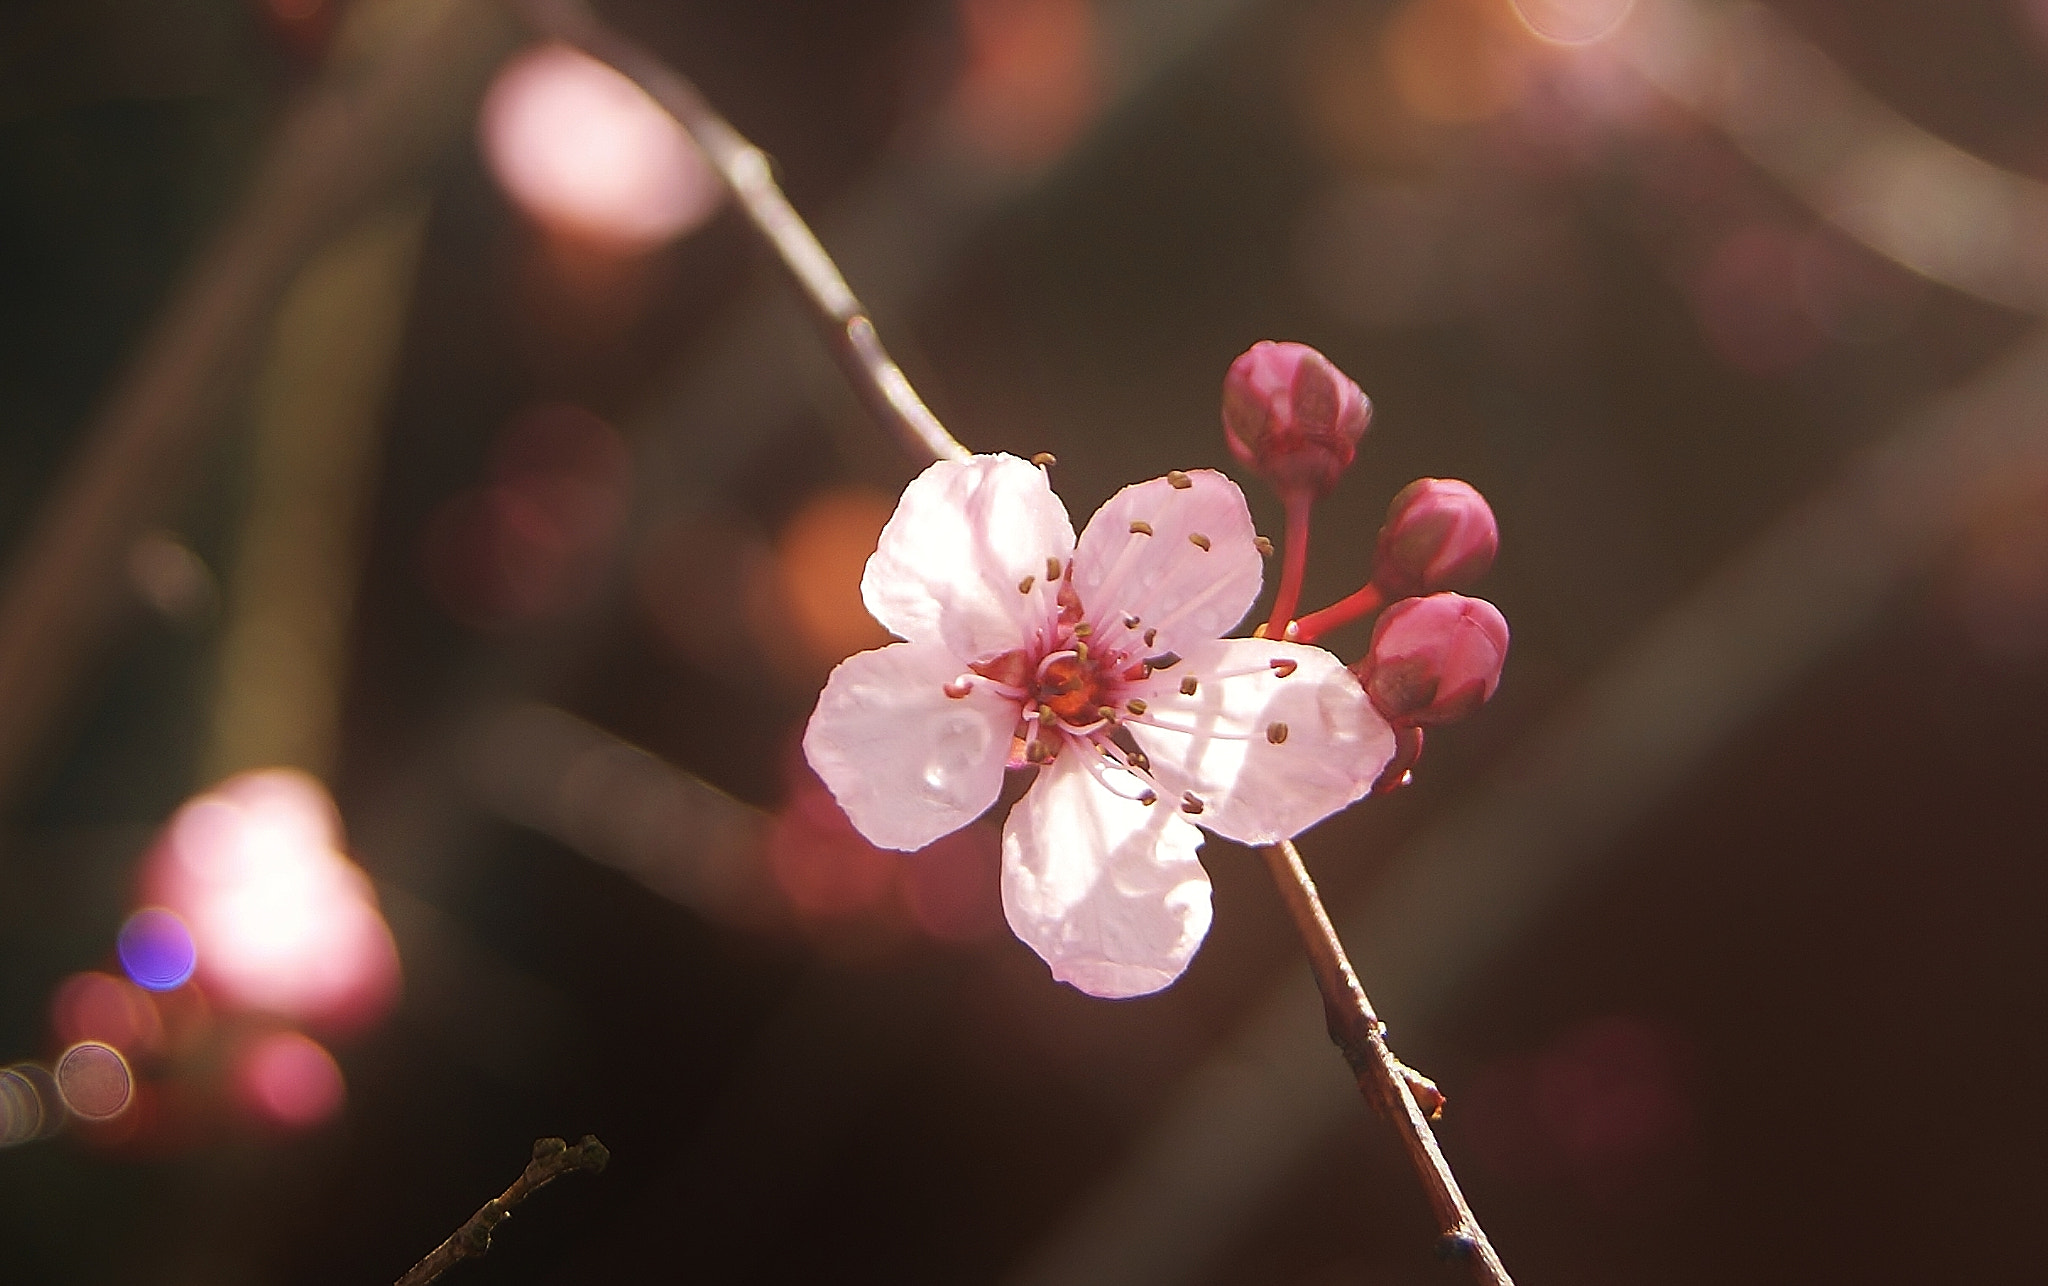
[
  {"x": 290, "y": 1079},
  {"x": 1573, "y": 22},
  {"x": 156, "y": 949},
  {"x": 107, "y": 1010},
  {"x": 95, "y": 1081},
  {"x": 24, "y": 1112},
  {"x": 281, "y": 920},
  {"x": 587, "y": 153}
]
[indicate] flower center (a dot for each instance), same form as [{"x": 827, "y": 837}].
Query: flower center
[{"x": 1072, "y": 688}]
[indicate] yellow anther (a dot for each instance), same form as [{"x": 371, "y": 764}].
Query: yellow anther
[
  {"x": 1198, "y": 540},
  {"x": 1179, "y": 481}
]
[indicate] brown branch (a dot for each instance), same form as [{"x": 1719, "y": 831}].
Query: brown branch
[
  {"x": 748, "y": 173},
  {"x": 552, "y": 1158},
  {"x": 1390, "y": 1087},
  {"x": 1405, "y": 1099}
]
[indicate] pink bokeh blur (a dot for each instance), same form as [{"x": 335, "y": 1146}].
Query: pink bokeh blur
[
  {"x": 283, "y": 921},
  {"x": 587, "y": 155}
]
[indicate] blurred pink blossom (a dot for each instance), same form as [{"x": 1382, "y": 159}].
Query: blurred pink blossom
[
  {"x": 282, "y": 921},
  {"x": 1101, "y": 662},
  {"x": 586, "y": 153}
]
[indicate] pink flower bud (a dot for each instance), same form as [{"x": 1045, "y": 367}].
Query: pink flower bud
[
  {"x": 1434, "y": 660},
  {"x": 1292, "y": 417},
  {"x": 1440, "y": 535}
]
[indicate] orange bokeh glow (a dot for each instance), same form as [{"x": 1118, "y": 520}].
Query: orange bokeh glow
[
  {"x": 588, "y": 155},
  {"x": 1457, "y": 61},
  {"x": 819, "y": 559},
  {"x": 282, "y": 920},
  {"x": 1031, "y": 82}
]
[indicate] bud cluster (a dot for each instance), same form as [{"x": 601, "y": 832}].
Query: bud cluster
[{"x": 1436, "y": 655}]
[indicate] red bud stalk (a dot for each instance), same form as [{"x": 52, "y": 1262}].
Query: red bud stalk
[
  {"x": 1293, "y": 418},
  {"x": 1440, "y": 534}
]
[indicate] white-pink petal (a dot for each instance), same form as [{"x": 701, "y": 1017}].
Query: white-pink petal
[
  {"x": 905, "y": 761},
  {"x": 952, "y": 559},
  {"x": 1267, "y": 754},
  {"x": 1107, "y": 890},
  {"x": 1192, "y": 578}
]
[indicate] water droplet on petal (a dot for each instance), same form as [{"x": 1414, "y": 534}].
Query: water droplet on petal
[{"x": 958, "y": 748}]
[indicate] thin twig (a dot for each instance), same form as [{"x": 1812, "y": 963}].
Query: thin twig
[
  {"x": 748, "y": 173},
  {"x": 1388, "y": 1084},
  {"x": 552, "y": 1158}
]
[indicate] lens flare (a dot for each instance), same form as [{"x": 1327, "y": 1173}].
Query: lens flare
[
  {"x": 156, "y": 949},
  {"x": 24, "y": 1108},
  {"x": 588, "y": 155},
  {"x": 290, "y": 1080},
  {"x": 280, "y": 920},
  {"x": 95, "y": 1081},
  {"x": 112, "y": 1011},
  {"x": 1573, "y": 22}
]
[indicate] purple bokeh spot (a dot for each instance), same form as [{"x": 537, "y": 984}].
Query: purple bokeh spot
[{"x": 156, "y": 949}]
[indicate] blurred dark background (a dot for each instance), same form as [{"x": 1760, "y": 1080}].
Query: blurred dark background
[{"x": 523, "y": 515}]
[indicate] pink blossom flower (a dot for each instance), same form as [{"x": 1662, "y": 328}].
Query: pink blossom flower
[{"x": 1100, "y": 661}]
